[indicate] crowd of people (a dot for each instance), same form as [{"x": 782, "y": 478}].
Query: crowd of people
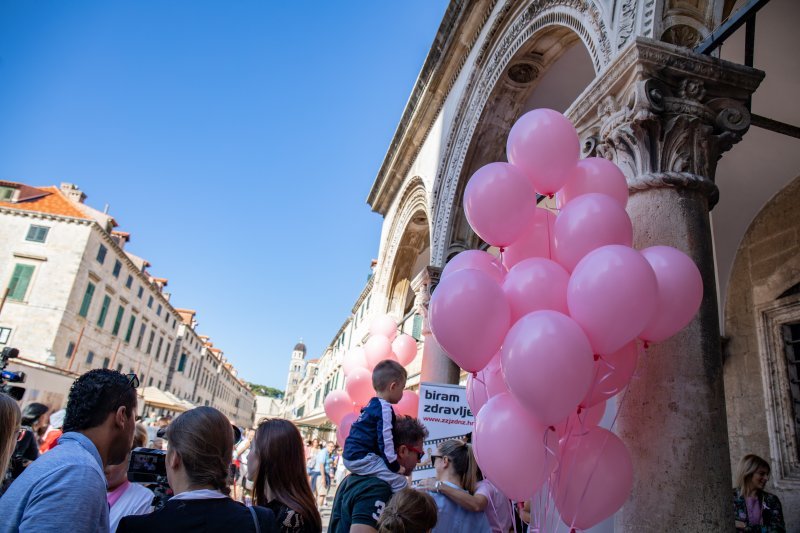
[{"x": 70, "y": 468}]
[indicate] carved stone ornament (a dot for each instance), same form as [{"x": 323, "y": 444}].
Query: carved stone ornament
[{"x": 666, "y": 115}]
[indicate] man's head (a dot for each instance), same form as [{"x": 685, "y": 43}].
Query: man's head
[
  {"x": 408, "y": 435},
  {"x": 389, "y": 380},
  {"x": 104, "y": 401}
]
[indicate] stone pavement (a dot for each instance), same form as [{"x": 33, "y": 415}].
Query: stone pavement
[{"x": 325, "y": 511}]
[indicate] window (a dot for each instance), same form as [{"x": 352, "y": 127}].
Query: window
[
  {"x": 89, "y": 357},
  {"x": 129, "y": 281},
  {"x": 20, "y": 280},
  {"x": 158, "y": 350},
  {"x": 150, "y": 342},
  {"x": 37, "y": 233},
  {"x": 101, "y": 320},
  {"x": 5, "y": 333},
  {"x": 7, "y": 194},
  {"x": 158, "y": 310},
  {"x": 70, "y": 349},
  {"x": 87, "y": 300},
  {"x": 182, "y": 363},
  {"x": 118, "y": 320},
  {"x": 130, "y": 329},
  {"x": 101, "y": 254},
  {"x": 119, "y": 367},
  {"x": 150, "y": 383},
  {"x": 142, "y": 329},
  {"x": 117, "y": 268},
  {"x": 416, "y": 330},
  {"x": 150, "y": 302},
  {"x": 141, "y": 291},
  {"x": 159, "y": 384},
  {"x": 166, "y": 352},
  {"x": 316, "y": 399},
  {"x": 106, "y": 361}
]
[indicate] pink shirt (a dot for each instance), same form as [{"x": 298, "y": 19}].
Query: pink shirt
[{"x": 498, "y": 511}]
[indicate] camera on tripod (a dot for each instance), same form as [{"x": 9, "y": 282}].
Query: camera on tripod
[
  {"x": 10, "y": 377},
  {"x": 148, "y": 467}
]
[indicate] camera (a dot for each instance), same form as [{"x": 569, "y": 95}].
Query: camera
[
  {"x": 10, "y": 377},
  {"x": 149, "y": 467}
]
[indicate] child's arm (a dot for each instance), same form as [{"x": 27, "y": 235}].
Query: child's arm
[{"x": 386, "y": 442}]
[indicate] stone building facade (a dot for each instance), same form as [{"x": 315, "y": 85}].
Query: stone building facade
[
  {"x": 704, "y": 175},
  {"x": 77, "y": 300}
]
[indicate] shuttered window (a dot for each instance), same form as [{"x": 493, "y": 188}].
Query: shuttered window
[
  {"x": 20, "y": 279},
  {"x": 118, "y": 320},
  {"x": 87, "y": 300},
  {"x": 101, "y": 320}
]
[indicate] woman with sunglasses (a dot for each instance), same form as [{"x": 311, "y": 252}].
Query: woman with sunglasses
[{"x": 455, "y": 477}]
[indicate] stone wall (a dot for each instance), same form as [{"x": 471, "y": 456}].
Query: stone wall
[{"x": 767, "y": 264}]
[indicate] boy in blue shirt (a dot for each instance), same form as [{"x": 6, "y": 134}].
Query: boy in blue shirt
[{"x": 369, "y": 449}]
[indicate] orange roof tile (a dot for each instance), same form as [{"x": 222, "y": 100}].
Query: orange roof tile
[{"x": 50, "y": 202}]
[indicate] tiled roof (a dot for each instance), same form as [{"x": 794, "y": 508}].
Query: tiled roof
[{"x": 50, "y": 202}]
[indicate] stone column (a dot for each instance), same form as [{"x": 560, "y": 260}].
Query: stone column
[
  {"x": 665, "y": 115},
  {"x": 436, "y": 364}
]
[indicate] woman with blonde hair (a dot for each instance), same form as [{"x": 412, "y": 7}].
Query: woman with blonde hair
[
  {"x": 456, "y": 471},
  {"x": 10, "y": 417},
  {"x": 409, "y": 511},
  {"x": 754, "y": 508},
  {"x": 276, "y": 464}
]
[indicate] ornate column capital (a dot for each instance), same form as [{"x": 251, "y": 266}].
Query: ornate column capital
[{"x": 666, "y": 115}]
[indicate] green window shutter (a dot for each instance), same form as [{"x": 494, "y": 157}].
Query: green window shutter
[
  {"x": 182, "y": 363},
  {"x": 101, "y": 320},
  {"x": 416, "y": 331},
  {"x": 87, "y": 300},
  {"x": 130, "y": 329},
  {"x": 118, "y": 320},
  {"x": 20, "y": 280}
]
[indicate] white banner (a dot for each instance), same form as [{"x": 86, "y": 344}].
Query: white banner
[{"x": 444, "y": 411}]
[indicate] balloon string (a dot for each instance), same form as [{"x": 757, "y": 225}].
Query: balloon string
[{"x": 549, "y": 249}]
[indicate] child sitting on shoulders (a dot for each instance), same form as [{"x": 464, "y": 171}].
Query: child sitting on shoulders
[{"x": 369, "y": 449}]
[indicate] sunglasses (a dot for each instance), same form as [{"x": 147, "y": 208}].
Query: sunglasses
[
  {"x": 420, "y": 453},
  {"x": 433, "y": 459},
  {"x": 133, "y": 382}
]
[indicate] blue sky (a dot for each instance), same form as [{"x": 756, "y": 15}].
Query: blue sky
[{"x": 235, "y": 141}]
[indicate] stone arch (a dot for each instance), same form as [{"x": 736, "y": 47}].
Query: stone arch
[
  {"x": 759, "y": 299},
  {"x": 408, "y": 238},
  {"x": 520, "y": 47}
]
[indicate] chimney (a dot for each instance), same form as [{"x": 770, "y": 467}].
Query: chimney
[{"x": 72, "y": 192}]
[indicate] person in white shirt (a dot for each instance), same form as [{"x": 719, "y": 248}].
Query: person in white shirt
[{"x": 126, "y": 498}]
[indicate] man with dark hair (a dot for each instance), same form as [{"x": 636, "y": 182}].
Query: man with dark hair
[
  {"x": 360, "y": 500},
  {"x": 66, "y": 487}
]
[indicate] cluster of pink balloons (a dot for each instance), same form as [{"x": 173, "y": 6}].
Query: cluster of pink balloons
[
  {"x": 548, "y": 330},
  {"x": 343, "y": 406}
]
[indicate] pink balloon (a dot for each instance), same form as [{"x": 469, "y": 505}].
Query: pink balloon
[
  {"x": 536, "y": 284},
  {"x": 589, "y": 222},
  {"x": 343, "y": 429},
  {"x": 499, "y": 203},
  {"x": 377, "y": 348},
  {"x": 536, "y": 241},
  {"x": 595, "y": 477},
  {"x": 581, "y": 420},
  {"x": 612, "y": 295},
  {"x": 514, "y": 450},
  {"x": 408, "y": 404},
  {"x": 355, "y": 358},
  {"x": 477, "y": 396},
  {"x": 478, "y": 260},
  {"x": 338, "y": 404},
  {"x": 485, "y": 384},
  {"x": 596, "y": 175},
  {"x": 611, "y": 374},
  {"x": 545, "y": 146},
  {"x": 469, "y": 317},
  {"x": 359, "y": 386},
  {"x": 547, "y": 363},
  {"x": 383, "y": 325},
  {"x": 680, "y": 291},
  {"x": 405, "y": 348}
]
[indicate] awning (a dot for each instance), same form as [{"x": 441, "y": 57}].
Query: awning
[{"x": 154, "y": 397}]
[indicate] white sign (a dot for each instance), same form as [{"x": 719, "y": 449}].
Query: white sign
[{"x": 444, "y": 411}]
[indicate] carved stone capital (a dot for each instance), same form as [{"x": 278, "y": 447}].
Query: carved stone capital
[{"x": 666, "y": 115}]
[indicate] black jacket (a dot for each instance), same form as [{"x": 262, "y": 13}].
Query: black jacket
[{"x": 202, "y": 516}]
